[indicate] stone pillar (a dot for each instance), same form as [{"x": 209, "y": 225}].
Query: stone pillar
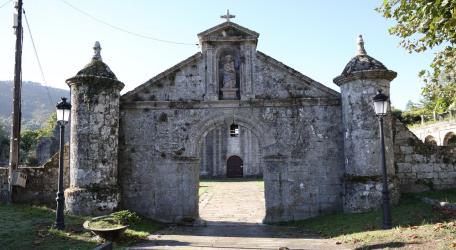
[
  {"x": 276, "y": 189},
  {"x": 359, "y": 82},
  {"x": 94, "y": 139}
]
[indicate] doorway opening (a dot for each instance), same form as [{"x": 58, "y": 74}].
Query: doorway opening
[
  {"x": 231, "y": 187},
  {"x": 234, "y": 167}
]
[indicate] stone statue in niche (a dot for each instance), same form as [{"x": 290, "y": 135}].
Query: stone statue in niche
[
  {"x": 229, "y": 72},
  {"x": 228, "y": 80}
]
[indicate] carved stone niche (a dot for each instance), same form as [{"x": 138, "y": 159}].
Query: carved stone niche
[{"x": 228, "y": 75}]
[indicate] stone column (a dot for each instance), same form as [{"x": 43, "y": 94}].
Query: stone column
[
  {"x": 94, "y": 139},
  {"x": 359, "y": 82},
  {"x": 276, "y": 189}
]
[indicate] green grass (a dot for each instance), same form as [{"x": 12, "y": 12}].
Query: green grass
[
  {"x": 414, "y": 224},
  {"x": 448, "y": 195},
  {"x": 30, "y": 227}
]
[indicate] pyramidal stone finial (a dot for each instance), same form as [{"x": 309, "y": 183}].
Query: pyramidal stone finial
[
  {"x": 360, "y": 44},
  {"x": 96, "y": 52}
]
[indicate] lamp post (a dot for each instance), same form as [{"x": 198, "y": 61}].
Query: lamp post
[
  {"x": 381, "y": 108},
  {"x": 63, "y": 114}
]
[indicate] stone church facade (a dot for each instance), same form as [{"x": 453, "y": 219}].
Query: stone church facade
[{"x": 229, "y": 111}]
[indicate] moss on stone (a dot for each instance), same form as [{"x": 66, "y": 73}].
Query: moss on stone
[{"x": 362, "y": 179}]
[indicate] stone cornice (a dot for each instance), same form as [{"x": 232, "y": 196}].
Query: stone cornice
[
  {"x": 90, "y": 79},
  {"x": 258, "y": 103},
  {"x": 207, "y": 33},
  {"x": 365, "y": 74}
]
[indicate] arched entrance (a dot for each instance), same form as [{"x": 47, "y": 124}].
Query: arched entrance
[
  {"x": 430, "y": 140},
  {"x": 234, "y": 167},
  {"x": 450, "y": 139}
]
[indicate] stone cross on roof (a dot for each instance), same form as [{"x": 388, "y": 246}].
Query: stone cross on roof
[
  {"x": 228, "y": 16},
  {"x": 96, "y": 51},
  {"x": 360, "y": 50}
]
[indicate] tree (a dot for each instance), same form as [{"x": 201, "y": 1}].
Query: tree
[
  {"x": 30, "y": 138},
  {"x": 423, "y": 25},
  {"x": 439, "y": 96},
  {"x": 4, "y": 145}
]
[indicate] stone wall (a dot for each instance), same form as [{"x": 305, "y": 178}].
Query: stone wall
[
  {"x": 159, "y": 158},
  {"x": 41, "y": 186},
  {"x": 422, "y": 167},
  {"x": 439, "y": 132}
]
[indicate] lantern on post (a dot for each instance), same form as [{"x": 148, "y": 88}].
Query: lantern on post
[
  {"x": 63, "y": 115},
  {"x": 381, "y": 108}
]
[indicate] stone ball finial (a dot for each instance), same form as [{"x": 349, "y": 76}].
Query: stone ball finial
[
  {"x": 97, "y": 51},
  {"x": 360, "y": 46}
]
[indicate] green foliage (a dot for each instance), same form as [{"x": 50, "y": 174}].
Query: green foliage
[
  {"x": 126, "y": 217},
  {"x": 29, "y": 139},
  {"x": 439, "y": 96},
  {"x": 408, "y": 117},
  {"x": 48, "y": 130},
  {"x": 105, "y": 223},
  {"x": 4, "y": 144},
  {"x": 423, "y": 25}
]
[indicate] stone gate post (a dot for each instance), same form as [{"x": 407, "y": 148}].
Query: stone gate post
[
  {"x": 94, "y": 139},
  {"x": 359, "y": 82}
]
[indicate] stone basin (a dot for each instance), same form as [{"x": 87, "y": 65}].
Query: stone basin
[{"x": 110, "y": 234}]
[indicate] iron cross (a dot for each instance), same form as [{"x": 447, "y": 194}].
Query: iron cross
[{"x": 228, "y": 16}]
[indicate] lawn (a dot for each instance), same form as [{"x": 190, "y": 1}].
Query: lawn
[
  {"x": 30, "y": 227},
  {"x": 444, "y": 195},
  {"x": 415, "y": 226}
]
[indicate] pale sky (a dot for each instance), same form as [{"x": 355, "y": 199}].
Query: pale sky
[{"x": 317, "y": 38}]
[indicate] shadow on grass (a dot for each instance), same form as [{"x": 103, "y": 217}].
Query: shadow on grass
[
  {"x": 409, "y": 212},
  {"x": 30, "y": 227},
  {"x": 387, "y": 245}
]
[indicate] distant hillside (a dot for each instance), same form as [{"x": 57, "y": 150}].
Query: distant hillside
[{"x": 36, "y": 105}]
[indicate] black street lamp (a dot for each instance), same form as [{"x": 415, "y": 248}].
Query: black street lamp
[
  {"x": 63, "y": 114},
  {"x": 381, "y": 108}
]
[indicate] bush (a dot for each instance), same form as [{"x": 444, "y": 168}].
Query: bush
[{"x": 126, "y": 217}]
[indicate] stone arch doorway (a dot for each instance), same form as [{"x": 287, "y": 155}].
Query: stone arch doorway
[
  {"x": 430, "y": 140},
  {"x": 450, "y": 139},
  {"x": 234, "y": 167},
  {"x": 219, "y": 144}
]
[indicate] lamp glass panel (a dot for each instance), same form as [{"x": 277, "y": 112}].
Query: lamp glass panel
[
  {"x": 66, "y": 115},
  {"x": 381, "y": 107},
  {"x": 60, "y": 115}
]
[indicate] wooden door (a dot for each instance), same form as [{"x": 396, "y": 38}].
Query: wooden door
[{"x": 234, "y": 167}]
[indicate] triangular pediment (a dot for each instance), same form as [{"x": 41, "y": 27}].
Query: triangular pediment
[
  {"x": 228, "y": 31},
  {"x": 296, "y": 83}
]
